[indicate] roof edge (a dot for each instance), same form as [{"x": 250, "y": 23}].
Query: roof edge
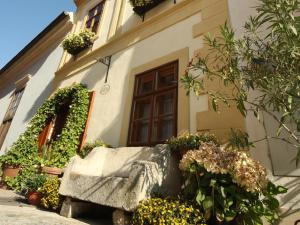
[{"x": 42, "y": 34}]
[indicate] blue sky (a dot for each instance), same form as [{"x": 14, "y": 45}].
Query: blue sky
[{"x": 22, "y": 20}]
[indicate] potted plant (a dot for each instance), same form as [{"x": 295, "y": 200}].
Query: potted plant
[
  {"x": 45, "y": 162},
  {"x": 140, "y": 7},
  {"x": 183, "y": 143},
  {"x": 10, "y": 165},
  {"x": 33, "y": 185},
  {"x": 229, "y": 186},
  {"x": 75, "y": 43}
]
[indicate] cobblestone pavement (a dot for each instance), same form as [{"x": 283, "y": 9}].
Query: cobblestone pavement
[{"x": 14, "y": 211}]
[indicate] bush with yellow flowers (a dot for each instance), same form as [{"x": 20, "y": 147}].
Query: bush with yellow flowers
[
  {"x": 51, "y": 199},
  {"x": 158, "y": 211}
]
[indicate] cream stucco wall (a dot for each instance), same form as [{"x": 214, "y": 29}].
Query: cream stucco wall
[
  {"x": 107, "y": 114},
  {"x": 166, "y": 33}
]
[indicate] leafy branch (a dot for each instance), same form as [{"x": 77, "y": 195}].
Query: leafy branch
[{"x": 261, "y": 68}]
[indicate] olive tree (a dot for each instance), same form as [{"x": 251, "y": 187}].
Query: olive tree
[{"x": 265, "y": 60}]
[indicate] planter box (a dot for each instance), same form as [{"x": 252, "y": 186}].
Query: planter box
[
  {"x": 75, "y": 52},
  {"x": 10, "y": 171},
  {"x": 52, "y": 170},
  {"x": 141, "y": 10}
]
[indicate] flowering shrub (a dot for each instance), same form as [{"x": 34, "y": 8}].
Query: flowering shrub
[
  {"x": 190, "y": 141},
  {"x": 157, "y": 211},
  {"x": 229, "y": 185},
  {"x": 75, "y": 43},
  {"x": 141, "y": 2},
  {"x": 51, "y": 199},
  {"x": 140, "y": 7}
]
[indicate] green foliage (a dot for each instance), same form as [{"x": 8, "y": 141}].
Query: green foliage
[
  {"x": 239, "y": 140},
  {"x": 157, "y": 211},
  {"x": 142, "y": 6},
  {"x": 19, "y": 183},
  {"x": 35, "y": 182},
  {"x": 75, "y": 43},
  {"x": 221, "y": 199},
  {"x": 51, "y": 198},
  {"x": 88, "y": 147},
  {"x": 135, "y": 3},
  {"x": 190, "y": 141},
  {"x": 24, "y": 151},
  {"x": 14, "y": 159},
  {"x": 265, "y": 60}
]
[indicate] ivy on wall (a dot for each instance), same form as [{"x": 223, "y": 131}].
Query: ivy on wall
[{"x": 24, "y": 151}]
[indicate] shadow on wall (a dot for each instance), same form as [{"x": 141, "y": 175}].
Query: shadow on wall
[
  {"x": 31, "y": 70},
  {"x": 41, "y": 98},
  {"x": 290, "y": 201},
  {"x": 42, "y": 70},
  {"x": 94, "y": 78}
]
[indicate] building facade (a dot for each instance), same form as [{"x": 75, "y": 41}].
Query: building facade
[
  {"x": 134, "y": 68},
  {"x": 138, "y": 96},
  {"x": 26, "y": 81}
]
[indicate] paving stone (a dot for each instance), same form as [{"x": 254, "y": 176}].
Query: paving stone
[{"x": 15, "y": 211}]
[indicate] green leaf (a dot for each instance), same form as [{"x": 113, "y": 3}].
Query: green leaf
[
  {"x": 213, "y": 182},
  {"x": 293, "y": 29},
  {"x": 281, "y": 190},
  {"x": 200, "y": 197},
  {"x": 230, "y": 215},
  {"x": 272, "y": 203},
  {"x": 223, "y": 192},
  {"x": 207, "y": 203}
]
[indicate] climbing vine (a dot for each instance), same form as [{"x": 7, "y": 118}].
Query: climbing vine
[{"x": 24, "y": 152}]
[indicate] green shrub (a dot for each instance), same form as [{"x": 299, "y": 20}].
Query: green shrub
[
  {"x": 88, "y": 147},
  {"x": 19, "y": 183},
  {"x": 24, "y": 151},
  {"x": 157, "y": 211},
  {"x": 15, "y": 159},
  {"x": 229, "y": 186},
  {"x": 190, "y": 141},
  {"x": 35, "y": 182},
  {"x": 140, "y": 3},
  {"x": 140, "y": 7},
  {"x": 51, "y": 198},
  {"x": 74, "y": 43}
]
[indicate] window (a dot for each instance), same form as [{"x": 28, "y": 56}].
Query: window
[
  {"x": 10, "y": 113},
  {"x": 94, "y": 17},
  {"x": 55, "y": 126},
  {"x": 154, "y": 107}
]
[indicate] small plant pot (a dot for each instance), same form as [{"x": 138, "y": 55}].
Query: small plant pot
[
  {"x": 34, "y": 198},
  {"x": 10, "y": 171},
  {"x": 54, "y": 171}
]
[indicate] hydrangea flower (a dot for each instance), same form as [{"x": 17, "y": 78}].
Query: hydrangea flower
[{"x": 245, "y": 171}]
